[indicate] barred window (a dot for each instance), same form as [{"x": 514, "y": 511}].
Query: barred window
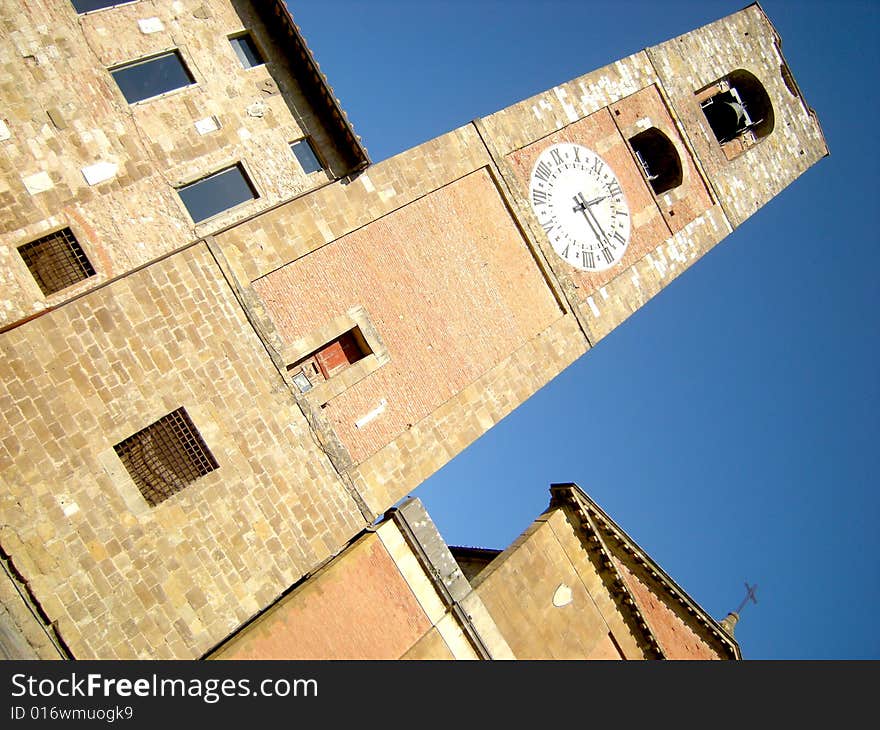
[
  {"x": 56, "y": 261},
  {"x": 166, "y": 457}
]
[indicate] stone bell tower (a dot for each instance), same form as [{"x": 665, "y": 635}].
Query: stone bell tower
[
  {"x": 271, "y": 340},
  {"x": 474, "y": 268}
]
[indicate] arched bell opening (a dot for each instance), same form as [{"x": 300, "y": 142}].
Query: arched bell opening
[
  {"x": 738, "y": 110},
  {"x": 658, "y": 159}
]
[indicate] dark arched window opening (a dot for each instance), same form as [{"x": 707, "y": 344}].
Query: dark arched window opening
[
  {"x": 738, "y": 110},
  {"x": 658, "y": 158}
]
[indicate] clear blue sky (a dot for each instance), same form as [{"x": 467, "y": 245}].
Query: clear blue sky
[{"x": 746, "y": 395}]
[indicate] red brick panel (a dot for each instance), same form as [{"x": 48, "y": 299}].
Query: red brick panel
[
  {"x": 360, "y": 607},
  {"x": 645, "y": 109},
  {"x": 678, "y": 640},
  {"x": 599, "y": 133},
  {"x": 450, "y": 287}
]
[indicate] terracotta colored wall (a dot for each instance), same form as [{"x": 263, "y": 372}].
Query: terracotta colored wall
[
  {"x": 358, "y": 607},
  {"x": 679, "y": 641},
  {"x": 448, "y": 284}
]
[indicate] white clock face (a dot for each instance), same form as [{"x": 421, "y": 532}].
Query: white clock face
[{"x": 580, "y": 205}]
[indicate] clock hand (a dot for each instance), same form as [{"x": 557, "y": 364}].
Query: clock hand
[
  {"x": 593, "y": 202},
  {"x": 591, "y": 219},
  {"x": 604, "y": 236}
]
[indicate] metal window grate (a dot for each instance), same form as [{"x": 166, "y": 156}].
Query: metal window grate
[
  {"x": 56, "y": 261},
  {"x": 166, "y": 457}
]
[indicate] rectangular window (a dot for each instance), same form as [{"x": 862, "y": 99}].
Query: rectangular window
[
  {"x": 330, "y": 359},
  {"x": 218, "y": 192},
  {"x": 166, "y": 456},
  {"x": 56, "y": 261},
  {"x": 305, "y": 155},
  {"x": 87, "y": 6},
  {"x": 246, "y": 50},
  {"x": 152, "y": 76}
]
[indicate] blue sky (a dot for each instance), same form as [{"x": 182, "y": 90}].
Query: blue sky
[{"x": 731, "y": 425}]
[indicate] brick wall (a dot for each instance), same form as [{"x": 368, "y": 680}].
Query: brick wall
[
  {"x": 447, "y": 283},
  {"x": 678, "y": 639},
  {"x": 427, "y": 244},
  {"x": 358, "y": 607}
]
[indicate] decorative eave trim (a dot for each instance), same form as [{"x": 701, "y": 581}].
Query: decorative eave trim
[
  {"x": 621, "y": 592},
  {"x": 575, "y": 497},
  {"x": 360, "y": 157}
]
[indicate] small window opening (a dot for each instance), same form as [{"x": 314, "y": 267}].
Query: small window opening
[
  {"x": 658, "y": 159},
  {"x": 739, "y": 111},
  {"x": 87, "y": 6},
  {"x": 152, "y": 76},
  {"x": 166, "y": 457},
  {"x": 306, "y": 156},
  {"x": 218, "y": 192},
  {"x": 56, "y": 261},
  {"x": 329, "y": 360},
  {"x": 246, "y": 50}
]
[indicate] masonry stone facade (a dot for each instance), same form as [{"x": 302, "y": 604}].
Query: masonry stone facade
[
  {"x": 574, "y": 585},
  {"x": 335, "y": 338}
]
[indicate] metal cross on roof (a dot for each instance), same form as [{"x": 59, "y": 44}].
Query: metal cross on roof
[{"x": 750, "y": 596}]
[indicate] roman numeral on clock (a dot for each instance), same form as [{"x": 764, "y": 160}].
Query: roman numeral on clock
[
  {"x": 616, "y": 235},
  {"x": 557, "y": 157},
  {"x": 607, "y": 255},
  {"x": 539, "y": 197},
  {"x": 589, "y": 259},
  {"x": 543, "y": 171},
  {"x": 614, "y": 189}
]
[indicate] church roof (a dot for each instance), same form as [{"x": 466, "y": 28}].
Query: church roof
[{"x": 610, "y": 541}]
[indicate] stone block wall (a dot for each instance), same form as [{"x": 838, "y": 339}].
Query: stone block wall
[
  {"x": 119, "y": 578},
  {"x": 745, "y": 40},
  {"x": 76, "y": 154}
]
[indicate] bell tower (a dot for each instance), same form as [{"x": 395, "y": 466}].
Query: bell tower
[
  {"x": 479, "y": 265},
  {"x": 229, "y": 341},
  {"x": 700, "y": 131}
]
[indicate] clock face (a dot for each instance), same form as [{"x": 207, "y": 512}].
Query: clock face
[{"x": 580, "y": 205}]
